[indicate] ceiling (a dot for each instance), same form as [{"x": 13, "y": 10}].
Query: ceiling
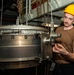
[{"x": 9, "y": 13}]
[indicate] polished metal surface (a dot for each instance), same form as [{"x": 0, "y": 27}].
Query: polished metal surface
[
  {"x": 21, "y": 30},
  {"x": 20, "y": 46},
  {"x": 25, "y": 27},
  {"x": 18, "y": 65}
]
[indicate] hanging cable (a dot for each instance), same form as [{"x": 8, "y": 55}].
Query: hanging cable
[
  {"x": 52, "y": 22},
  {"x": 26, "y": 12},
  {"x": 29, "y": 6},
  {"x": 45, "y": 16},
  {"x": 38, "y": 3},
  {"x": 1, "y": 12},
  {"x": 48, "y": 14},
  {"x": 44, "y": 13}
]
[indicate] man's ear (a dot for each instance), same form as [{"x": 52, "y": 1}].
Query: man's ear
[{"x": 73, "y": 23}]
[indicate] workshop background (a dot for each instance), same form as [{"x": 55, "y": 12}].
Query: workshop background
[{"x": 26, "y": 31}]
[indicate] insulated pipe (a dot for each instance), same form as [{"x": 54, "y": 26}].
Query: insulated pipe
[
  {"x": 29, "y": 6},
  {"x": 26, "y": 12}
]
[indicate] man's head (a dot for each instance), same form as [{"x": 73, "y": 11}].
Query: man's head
[{"x": 69, "y": 15}]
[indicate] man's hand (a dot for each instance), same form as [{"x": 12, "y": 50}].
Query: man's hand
[{"x": 58, "y": 48}]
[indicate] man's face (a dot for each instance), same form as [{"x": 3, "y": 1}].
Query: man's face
[{"x": 68, "y": 19}]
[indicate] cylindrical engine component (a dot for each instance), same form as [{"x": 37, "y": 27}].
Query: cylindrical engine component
[{"x": 20, "y": 46}]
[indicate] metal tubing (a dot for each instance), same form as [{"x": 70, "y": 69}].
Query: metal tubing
[{"x": 1, "y": 11}]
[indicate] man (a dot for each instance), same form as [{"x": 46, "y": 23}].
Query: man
[{"x": 63, "y": 51}]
